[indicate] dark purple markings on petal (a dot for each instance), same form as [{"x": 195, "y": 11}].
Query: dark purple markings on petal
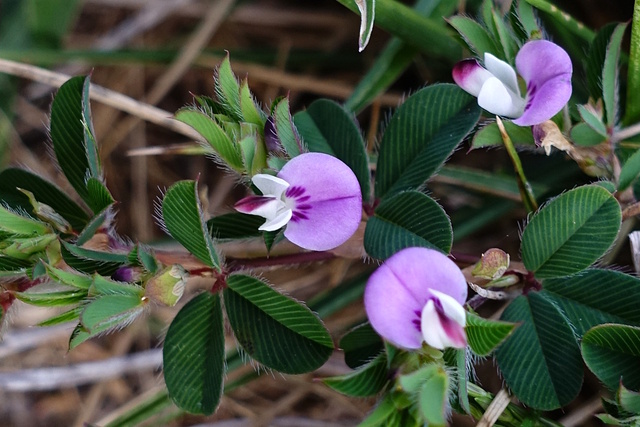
[
  {"x": 303, "y": 207},
  {"x": 452, "y": 329},
  {"x": 303, "y": 198},
  {"x": 297, "y": 216},
  {"x": 417, "y": 323},
  {"x": 251, "y": 203},
  {"x": 295, "y": 191},
  {"x": 531, "y": 93}
]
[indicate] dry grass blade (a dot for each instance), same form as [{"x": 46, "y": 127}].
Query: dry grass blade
[
  {"x": 98, "y": 93},
  {"x": 79, "y": 374}
]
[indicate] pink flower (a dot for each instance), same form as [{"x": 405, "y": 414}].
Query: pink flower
[
  {"x": 316, "y": 196},
  {"x": 416, "y": 296},
  {"x": 546, "y": 69}
]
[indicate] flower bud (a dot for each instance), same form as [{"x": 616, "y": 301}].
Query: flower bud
[{"x": 167, "y": 286}]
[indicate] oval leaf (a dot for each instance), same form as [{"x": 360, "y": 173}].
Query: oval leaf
[
  {"x": 43, "y": 191},
  {"x": 360, "y": 345},
  {"x": 193, "y": 355},
  {"x": 485, "y": 335},
  {"x": 68, "y": 133},
  {"x": 540, "y": 361},
  {"x": 594, "y": 297},
  {"x": 217, "y": 138},
  {"x": 407, "y": 219},
  {"x": 421, "y": 135},
  {"x": 273, "y": 329},
  {"x": 182, "y": 214},
  {"x": 235, "y": 225},
  {"x": 368, "y": 380},
  {"x": 612, "y": 352},
  {"x": 571, "y": 232},
  {"x": 328, "y": 121}
]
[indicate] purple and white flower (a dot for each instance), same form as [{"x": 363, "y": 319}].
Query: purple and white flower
[
  {"x": 416, "y": 296},
  {"x": 316, "y": 196},
  {"x": 546, "y": 69}
]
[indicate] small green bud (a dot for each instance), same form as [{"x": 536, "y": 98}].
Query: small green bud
[{"x": 167, "y": 286}]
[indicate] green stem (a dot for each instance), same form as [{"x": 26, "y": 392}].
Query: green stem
[
  {"x": 632, "y": 114},
  {"x": 526, "y": 192},
  {"x": 425, "y": 34}
]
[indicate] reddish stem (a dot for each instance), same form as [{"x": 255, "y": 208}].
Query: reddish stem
[{"x": 236, "y": 264}]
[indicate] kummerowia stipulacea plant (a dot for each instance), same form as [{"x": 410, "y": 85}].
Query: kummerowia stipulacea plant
[{"x": 311, "y": 180}]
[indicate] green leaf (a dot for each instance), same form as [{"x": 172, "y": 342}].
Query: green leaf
[
  {"x": 104, "y": 314},
  {"x": 527, "y": 20},
  {"x": 610, "y": 77},
  {"x": 45, "y": 192},
  {"x": 90, "y": 261},
  {"x": 228, "y": 89},
  {"x": 569, "y": 22},
  {"x": 433, "y": 399},
  {"x": 64, "y": 317},
  {"x": 94, "y": 225},
  {"x": 99, "y": 196},
  {"x": 593, "y": 120},
  {"x": 504, "y": 36},
  {"x": 407, "y": 219},
  {"x": 485, "y": 335},
  {"x": 90, "y": 144},
  {"x": 594, "y": 297},
  {"x": 476, "y": 37},
  {"x": 22, "y": 225},
  {"x": 367, "y": 10},
  {"x": 594, "y": 62},
  {"x": 540, "y": 361},
  {"x": 286, "y": 130},
  {"x": 629, "y": 171},
  {"x": 504, "y": 186},
  {"x": 234, "y": 225},
  {"x": 273, "y": 329},
  {"x": 52, "y": 299},
  {"x": 27, "y": 247},
  {"x": 571, "y": 232},
  {"x": 367, "y": 380},
  {"x": 490, "y": 136},
  {"x": 13, "y": 267},
  {"x": 629, "y": 400},
  {"x": 217, "y": 138},
  {"x": 67, "y": 134},
  {"x": 462, "y": 374},
  {"x": 612, "y": 352},
  {"x": 360, "y": 345},
  {"x": 193, "y": 355},
  {"x": 381, "y": 413},
  {"x": 78, "y": 281},
  {"x": 632, "y": 112},
  {"x": 183, "y": 217},
  {"x": 143, "y": 257},
  {"x": 251, "y": 112},
  {"x": 582, "y": 134},
  {"x": 103, "y": 286},
  {"x": 328, "y": 120},
  {"x": 421, "y": 135}
]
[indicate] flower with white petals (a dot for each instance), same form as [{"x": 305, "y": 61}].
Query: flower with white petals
[
  {"x": 416, "y": 296},
  {"x": 546, "y": 69},
  {"x": 316, "y": 196}
]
